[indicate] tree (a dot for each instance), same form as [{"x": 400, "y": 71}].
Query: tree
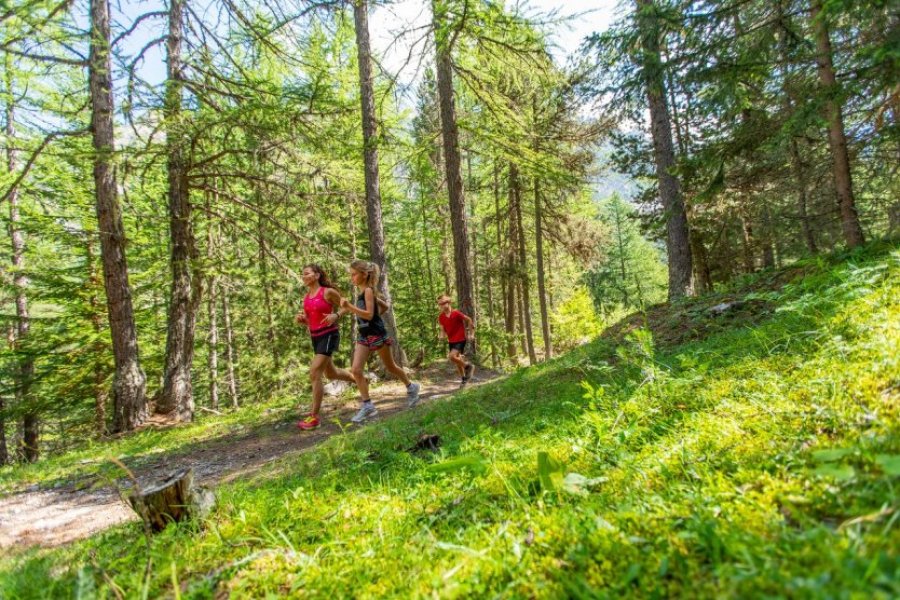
[
  {"x": 444, "y": 39},
  {"x": 678, "y": 246},
  {"x": 130, "y": 408},
  {"x": 30, "y": 423},
  {"x": 631, "y": 274},
  {"x": 837, "y": 140},
  {"x": 370, "y": 160},
  {"x": 177, "y": 393}
]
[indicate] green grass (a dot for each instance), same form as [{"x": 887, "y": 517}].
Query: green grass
[{"x": 744, "y": 457}]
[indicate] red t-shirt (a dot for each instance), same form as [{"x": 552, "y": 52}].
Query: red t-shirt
[{"x": 454, "y": 326}]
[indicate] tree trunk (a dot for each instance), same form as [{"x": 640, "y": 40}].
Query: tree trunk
[
  {"x": 4, "y": 448},
  {"x": 231, "y": 357},
  {"x": 173, "y": 500},
  {"x": 177, "y": 393},
  {"x": 25, "y": 367},
  {"x": 488, "y": 284},
  {"x": 702, "y": 276},
  {"x": 445, "y": 258},
  {"x": 843, "y": 182},
  {"x": 212, "y": 356},
  {"x": 129, "y": 401},
  {"x": 267, "y": 294},
  {"x": 432, "y": 293},
  {"x": 510, "y": 278},
  {"x": 797, "y": 163},
  {"x": 101, "y": 395},
  {"x": 768, "y": 250},
  {"x": 370, "y": 159},
  {"x": 450, "y": 135},
  {"x": 539, "y": 253},
  {"x": 802, "y": 197},
  {"x": 524, "y": 284},
  {"x": 747, "y": 231},
  {"x": 677, "y": 238}
]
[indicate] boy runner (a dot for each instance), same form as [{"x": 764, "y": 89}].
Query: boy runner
[{"x": 454, "y": 324}]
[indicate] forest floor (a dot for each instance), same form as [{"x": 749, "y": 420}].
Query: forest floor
[
  {"x": 86, "y": 502},
  {"x": 742, "y": 444}
]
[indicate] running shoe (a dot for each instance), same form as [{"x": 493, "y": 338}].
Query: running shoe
[
  {"x": 412, "y": 394},
  {"x": 308, "y": 422},
  {"x": 366, "y": 411}
]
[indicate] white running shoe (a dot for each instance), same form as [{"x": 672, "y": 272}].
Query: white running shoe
[
  {"x": 366, "y": 411},
  {"x": 412, "y": 394}
]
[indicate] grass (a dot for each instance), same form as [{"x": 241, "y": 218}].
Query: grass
[{"x": 755, "y": 455}]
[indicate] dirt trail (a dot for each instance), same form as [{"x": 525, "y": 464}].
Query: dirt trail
[{"x": 50, "y": 517}]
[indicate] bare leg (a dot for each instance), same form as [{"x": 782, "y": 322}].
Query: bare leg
[
  {"x": 360, "y": 356},
  {"x": 332, "y": 372},
  {"x": 316, "y": 369},
  {"x": 385, "y": 353},
  {"x": 456, "y": 358}
]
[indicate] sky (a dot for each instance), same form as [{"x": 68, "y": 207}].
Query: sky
[
  {"x": 568, "y": 23},
  {"x": 572, "y": 21}
]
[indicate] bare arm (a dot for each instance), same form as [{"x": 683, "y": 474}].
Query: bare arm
[
  {"x": 366, "y": 313},
  {"x": 334, "y": 298},
  {"x": 383, "y": 306}
]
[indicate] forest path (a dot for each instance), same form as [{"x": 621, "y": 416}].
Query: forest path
[{"x": 69, "y": 511}]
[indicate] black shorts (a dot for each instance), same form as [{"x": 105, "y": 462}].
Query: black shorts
[
  {"x": 326, "y": 343},
  {"x": 461, "y": 346}
]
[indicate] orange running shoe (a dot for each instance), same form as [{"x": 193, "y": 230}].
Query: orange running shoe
[{"x": 309, "y": 422}]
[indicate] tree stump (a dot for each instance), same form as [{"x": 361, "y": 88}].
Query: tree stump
[{"x": 175, "y": 499}]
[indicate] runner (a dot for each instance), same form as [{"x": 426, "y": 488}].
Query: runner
[
  {"x": 372, "y": 336},
  {"x": 319, "y": 316},
  {"x": 454, "y": 324}
]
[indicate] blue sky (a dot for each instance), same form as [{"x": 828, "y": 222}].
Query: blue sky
[{"x": 577, "y": 19}]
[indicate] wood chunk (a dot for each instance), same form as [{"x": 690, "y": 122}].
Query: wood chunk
[{"x": 175, "y": 499}]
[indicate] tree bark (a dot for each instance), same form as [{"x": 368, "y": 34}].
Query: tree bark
[
  {"x": 797, "y": 163},
  {"x": 267, "y": 293},
  {"x": 173, "y": 500},
  {"x": 677, "y": 238},
  {"x": 747, "y": 231},
  {"x": 231, "y": 356},
  {"x": 450, "y": 135},
  {"x": 374, "y": 220},
  {"x": 516, "y": 195},
  {"x": 510, "y": 278},
  {"x": 843, "y": 181},
  {"x": 4, "y": 448},
  {"x": 25, "y": 367},
  {"x": 539, "y": 254},
  {"x": 177, "y": 393},
  {"x": 129, "y": 401},
  {"x": 212, "y": 356},
  {"x": 101, "y": 394}
]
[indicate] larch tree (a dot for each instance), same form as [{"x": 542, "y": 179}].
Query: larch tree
[
  {"x": 129, "y": 386},
  {"x": 374, "y": 219}
]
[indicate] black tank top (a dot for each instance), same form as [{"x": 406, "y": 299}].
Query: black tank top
[{"x": 374, "y": 326}]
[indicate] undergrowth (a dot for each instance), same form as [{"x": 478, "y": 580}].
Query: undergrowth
[{"x": 760, "y": 458}]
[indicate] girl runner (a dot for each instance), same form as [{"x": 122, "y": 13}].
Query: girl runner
[
  {"x": 372, "y": 337},
  {"x": 318, "y": 314}
]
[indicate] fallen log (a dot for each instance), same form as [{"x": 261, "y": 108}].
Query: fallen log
[{"x": 175, "y": 499}]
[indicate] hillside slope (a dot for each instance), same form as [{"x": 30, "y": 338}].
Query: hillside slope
[{"x": 744, "y": 450}]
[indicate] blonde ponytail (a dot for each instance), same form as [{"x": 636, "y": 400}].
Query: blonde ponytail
[{"x": 372, "y": 271}]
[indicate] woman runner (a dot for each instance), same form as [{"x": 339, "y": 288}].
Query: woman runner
[
  {"x": 372, "y": 337},
  {"x": 318, "y": 314}
]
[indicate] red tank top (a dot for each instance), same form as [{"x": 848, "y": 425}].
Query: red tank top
[{"x": 317, "y": 308}]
